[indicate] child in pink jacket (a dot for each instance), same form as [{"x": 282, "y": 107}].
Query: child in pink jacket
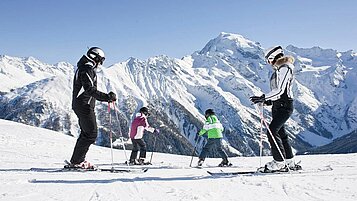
[{"x": 138, "y": 126}]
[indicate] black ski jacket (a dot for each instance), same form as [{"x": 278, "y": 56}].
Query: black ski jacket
[{"x": 85, "y": 86}]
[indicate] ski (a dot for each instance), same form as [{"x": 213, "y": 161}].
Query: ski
[
  {"x": 264, "y": 169},
  {"x": 222, "y": 173},
  {"x": 260, "y": 171},
  {"x": 112, "y": 170},
  {"x": 140, "y": 166},
  {"x": 69, "y": 168},
  {"x": 123, "y": 170},
  {"x": 249, "y": 172},
  {"x": 212, "y": 167},
  {"x": 48, "y": 170}
]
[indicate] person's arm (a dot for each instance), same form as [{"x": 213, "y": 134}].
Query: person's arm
[
  {"x": 283, "y": 77},
  {"x": 206, "y": 126},
  {"x": 87, "y": 80},
  {"x": 147, "y": 126}
]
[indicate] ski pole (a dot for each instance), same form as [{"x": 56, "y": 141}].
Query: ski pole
[
  {"x": 260, "y": 108},
  {"x": 261, "y": 114},
  {"x": 152, "y": 153},
  {"x": 120, "y": 133},
  {"x": 261, "y": 134},
  {"x": 275, "y": 143},
  {"x": 110, "y": 133},
  {"x": 193, "y": 152}
]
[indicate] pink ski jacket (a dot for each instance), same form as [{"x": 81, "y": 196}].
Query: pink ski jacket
[{"x": 139, "y": 125}]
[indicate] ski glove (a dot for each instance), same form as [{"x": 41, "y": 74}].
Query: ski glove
[
  {"x": 112, "y": 97},
  {"x": 268, "y": 102},
  {"x": 257, "y": 99}
]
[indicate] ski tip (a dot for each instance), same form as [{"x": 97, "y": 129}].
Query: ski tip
[{"x": 32, "y": 180}]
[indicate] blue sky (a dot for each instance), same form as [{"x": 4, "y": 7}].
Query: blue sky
[{"x": 61, "y": 30}]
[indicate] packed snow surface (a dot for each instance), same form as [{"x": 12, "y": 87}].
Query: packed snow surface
[{"x": 327, "y": 177}]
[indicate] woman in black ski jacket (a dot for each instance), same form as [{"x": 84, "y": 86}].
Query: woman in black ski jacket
[{"x": 84, "y": 95}]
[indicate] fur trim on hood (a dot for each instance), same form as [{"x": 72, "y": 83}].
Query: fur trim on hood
[{"x": 284, "y": 60}]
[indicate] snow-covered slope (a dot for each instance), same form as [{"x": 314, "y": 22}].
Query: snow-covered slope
[
  {"x": 23, "y": 147},
  {"x": 222, "y": 76}
]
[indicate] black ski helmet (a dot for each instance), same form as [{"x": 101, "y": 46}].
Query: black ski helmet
[
  {"x": 145, "y": 111},
  {"x": 209, "y": 112},
  {"x": 96, "y": 54}
]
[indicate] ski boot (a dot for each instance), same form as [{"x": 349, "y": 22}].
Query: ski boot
[
  {"x": 275, "y": 166},
  {"x": 142, "y": 162},
  {"x": 225, "y": 163},
  {"x": 132, "y": 162},
  {"x": 200, "y": 162},
  {"x": 292, "y": 165},
  {"x": 83, "y": 165}
]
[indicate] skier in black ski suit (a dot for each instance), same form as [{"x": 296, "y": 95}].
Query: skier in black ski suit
[
  {"x": 281, "y": 98},
  {"x": 84, "y": 95}
]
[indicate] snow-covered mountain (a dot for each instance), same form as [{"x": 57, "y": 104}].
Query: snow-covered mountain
[
  {"x": 222, "y": 76},
  {"x": 36, "y": 93},
  {"x": 24, "y": 147},
  {"x": 330, "y": 77}
]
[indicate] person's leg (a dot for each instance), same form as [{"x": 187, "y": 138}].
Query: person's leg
[
  {"x": 208, "y": 146},
  {"x": 286, "y": 144},
  {"x": 88, "y": 135},
  {"x": 222, "y": 153},
  {"x": 142, "y": 145},
  {"x": 220, "y": 150},
  {"x": 134, "y": 151},
  {"x": 280, "y": 116}
]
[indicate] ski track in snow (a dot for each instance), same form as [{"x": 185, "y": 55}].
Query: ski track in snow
[{"x": 23, "y": 147}]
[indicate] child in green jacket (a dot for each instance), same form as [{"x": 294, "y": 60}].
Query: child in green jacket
[{"x": 214, "y": 131}]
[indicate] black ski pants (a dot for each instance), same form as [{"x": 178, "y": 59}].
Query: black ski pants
[
  {"x": 88, "y": 135},
  {"x": 281, "y": 111},
  {"x": 138, "y": 144}
]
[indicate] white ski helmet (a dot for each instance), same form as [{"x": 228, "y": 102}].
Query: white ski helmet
[
  {"x": 96, "y": 54},
  {"x": 274, "y": 53}
]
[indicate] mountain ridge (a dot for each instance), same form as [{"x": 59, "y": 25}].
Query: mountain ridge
[{"x": 222, "y": 75}]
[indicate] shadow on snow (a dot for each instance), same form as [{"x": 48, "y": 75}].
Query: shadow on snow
[{"x": 125, "y": 180}]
